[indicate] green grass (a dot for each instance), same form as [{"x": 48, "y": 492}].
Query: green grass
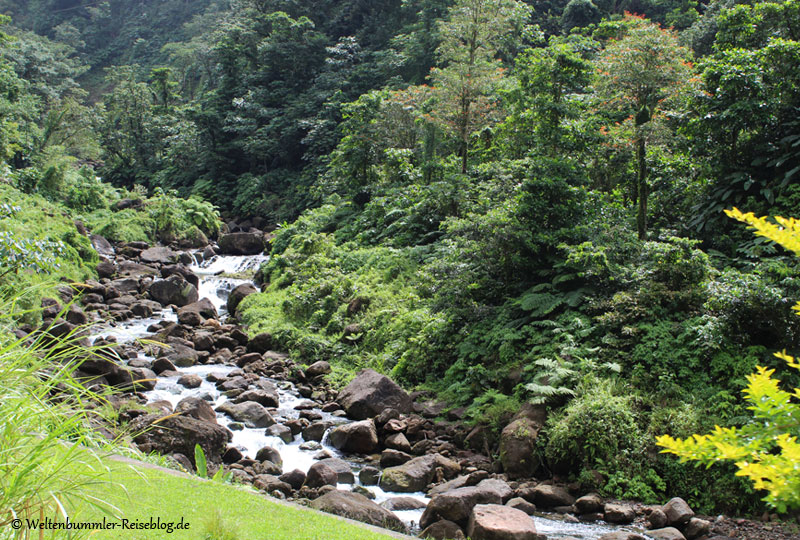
[{"x": 213, "y": 510}]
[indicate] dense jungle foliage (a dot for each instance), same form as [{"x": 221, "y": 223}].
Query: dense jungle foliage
[{"x": 495, "y": 200}]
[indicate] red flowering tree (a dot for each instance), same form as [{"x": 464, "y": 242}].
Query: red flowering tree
[
  {"x": 639, "y": 73},
  {"x": 466, "y": 87}
]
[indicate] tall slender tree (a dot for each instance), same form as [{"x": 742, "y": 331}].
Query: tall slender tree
[{"x": 466, "y": 84}]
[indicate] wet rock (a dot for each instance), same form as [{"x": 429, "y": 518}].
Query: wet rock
[
  {"x": 369, "y": 476},
  {"x": 271, "y": 483},
  {"x": 238, "y": 294},
  {"x": 398, "y": 441},
  {"x": 282, "y": 432},
  {"x": 677, "y": 511},
  {"x": 393, "y": 458},
  {"x": 182, "y": 270},
  {"x": 622, "y": 535},
  {"x": 200, "y": 310},
  {"x": 456, "y": 505},
  {"x": 589, "y": 504},
  {"x": 260, "y": 343},
  {"x": 173, "y": 290},
  {"x": 76, "y": 316},
  {"x": 267, "y": 453},
  {"x": 132, "y": 270},
  {"x": 518, "y": 443},
  {"x": 171, "y": 434},
  {"x": 370, "y": 393},
  {"x": 618, "y": 513},
  {"x": 180, "y": 355},
  {"x": 696, "y": 528},
  {"x": 315, "y": 431},
  {"x": 667, "y": 533},
  {"x": 657, "y": 519},
  {"x": 106, "y": 269},
  {"x": 496, "y": 522},
  {"x": 250, "y": 413},
  {"x": 142, "y": 310},
  {"x": 231, "y": 455},
  {"x": 358, "y": 507},
  {"x": 357, "y": 437},
  {"x": 521, "y": 504},
  {"x": 162, "y": 364},
  {"x": 548, "y": 496},
  {"x": 443, "y": 530},
  {"x": 248, "y": 358},
  {"x": 196, "y": 408},
  {"x": 318, "y": 368},
  {"x": 415, "y": 475},
  {"x": 190, "y": 381},
  {"x": 295, "y": 478},
  {"x": 398, "y": 504},
  {"x": 342, "y": 469},
  {"x": 160, "y": 255},
  {"x": 241, "y": 243}
]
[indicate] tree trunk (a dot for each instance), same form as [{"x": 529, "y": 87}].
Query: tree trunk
[{"x": 641, "y": 186}]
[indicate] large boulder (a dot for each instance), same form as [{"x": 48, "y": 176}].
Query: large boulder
[
  {"x": 354, "y": 506},
  {"x": 238, "y": 294},
  {"x": 495, "y": 522},
  {"x": 320, "y": 475},
  {"x": 667, "y": 533},
  {"x": 518, "y": 443},
  {"x": 179, "y": 434},
  {"x": 161, "y": 255},
  {"x": 678, "y": 512},
  {"x": 197, "y": 408},
  {"x": 456, "y": 505},
  {"x": 415, "y": 475},
  {"x": 173, "y": 290},
  {"x": 202, "y": 309},
  {"x": 547, "y": 496},
  {"x": 250, "y": 413},
  {"x": 101, "y": 245},
  {"x": 241, "y": 243},
  {"x": 342, "y": 469},
  {"x": 131, "y": 269},
  {"x": 370, "y": 393},
  {"x": 357, "y": 437}
]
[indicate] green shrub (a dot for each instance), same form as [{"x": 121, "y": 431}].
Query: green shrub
[{"x": 597, "y": 429}]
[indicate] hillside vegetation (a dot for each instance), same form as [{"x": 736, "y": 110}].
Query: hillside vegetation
[{"x": 496, "y": 201}]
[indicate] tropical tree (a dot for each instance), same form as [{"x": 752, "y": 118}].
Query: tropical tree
[
  {"x": 638, "y": 73},
  {"x": 466, "y": 86}
]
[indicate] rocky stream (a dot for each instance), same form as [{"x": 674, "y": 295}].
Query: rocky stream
[{"x": 372, "y": 452}]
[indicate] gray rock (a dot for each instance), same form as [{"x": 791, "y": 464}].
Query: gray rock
[
  {"x": 518, "y": 443},
  {"x": 678, "y": 512},
  {"x": 161, "y": 255},
  {"x": 618, "y": 513},
  {"x": 589, "y": 504},
  {"x": 521, "y": 504},
  {"x": 548, "y": 496},
  {"x": 173, "y": 290},
  {"x": 370, "y": 393},
  {"x": 342, "y": 468},
  {"x": 250, "y": 413},
  {"x": 456, "y": 505},
  {"x": 496, "y": 522},
  {"x": 696, "y": 528},
  {"x": 241, "y": 243},
  {"x": 357, "y": 437},
  {"x": 318, "y": 368},
  {"x": 238, "y": 294},
  {"x": 358, "y": 507},
  {"x": 369, "y": 476},
  {"x": 667, "y": 533},
  {"x": 415, "y": 475},
  {"x": 443, "y": 530}
]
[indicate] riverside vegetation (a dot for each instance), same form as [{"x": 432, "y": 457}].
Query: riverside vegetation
[{"x": 496, "y": 202}]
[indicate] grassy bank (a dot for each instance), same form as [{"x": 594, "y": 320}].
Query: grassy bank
[{"x": 213, "y": 510}]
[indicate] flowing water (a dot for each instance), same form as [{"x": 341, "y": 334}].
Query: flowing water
[{"x": 218, "y": 277}]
